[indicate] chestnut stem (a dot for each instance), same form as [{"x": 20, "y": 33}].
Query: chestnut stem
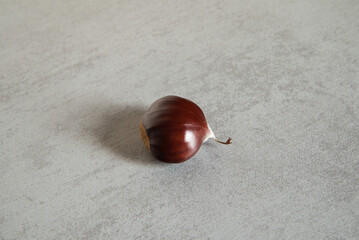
[{"x": 229, "y": 141}]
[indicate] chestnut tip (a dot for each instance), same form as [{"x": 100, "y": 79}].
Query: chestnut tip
[{"x": 229, "y": 141}]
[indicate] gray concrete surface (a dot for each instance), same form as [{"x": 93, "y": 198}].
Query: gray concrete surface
[{"x": 280, "y": 77}]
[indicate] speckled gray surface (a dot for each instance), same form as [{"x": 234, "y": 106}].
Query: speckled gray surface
[{"x": 280, "y": 77}]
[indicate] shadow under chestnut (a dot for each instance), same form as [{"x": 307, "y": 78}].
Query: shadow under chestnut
[{"x": 119, "y": 132}]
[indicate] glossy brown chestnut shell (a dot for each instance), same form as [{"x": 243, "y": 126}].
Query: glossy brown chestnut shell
[{"x": 174, "y": 128}]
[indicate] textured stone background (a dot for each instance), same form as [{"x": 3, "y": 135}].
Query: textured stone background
[{"x": 280, "y": 77}]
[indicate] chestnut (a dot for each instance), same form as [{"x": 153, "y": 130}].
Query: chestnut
[{"x": 174, "y": 128}]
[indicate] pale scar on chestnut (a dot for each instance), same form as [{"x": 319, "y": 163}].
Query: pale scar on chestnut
[{"x": 144, "y": 137}]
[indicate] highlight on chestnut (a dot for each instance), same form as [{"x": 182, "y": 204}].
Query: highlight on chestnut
[{"x": 174, "y": 128}]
